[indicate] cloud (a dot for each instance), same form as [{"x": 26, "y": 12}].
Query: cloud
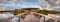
[
  {"x": 26, "y": 3},
  {"x": 56, "y": 8}
]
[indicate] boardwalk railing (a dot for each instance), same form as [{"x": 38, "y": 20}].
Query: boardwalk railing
[{"x": 45, "y": 16}]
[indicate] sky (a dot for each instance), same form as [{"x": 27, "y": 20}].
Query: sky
[
  {"x": 17, "y": 4},
  {"x": 22, "y": 3},
  {"x": 9, "y": 4}
]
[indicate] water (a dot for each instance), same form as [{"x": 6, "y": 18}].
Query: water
[
  {"x": 5, "y": 15},
  {"x": 55, "y": 15}
]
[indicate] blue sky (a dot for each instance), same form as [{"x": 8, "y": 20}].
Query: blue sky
[{"x": 22, "y": 3}]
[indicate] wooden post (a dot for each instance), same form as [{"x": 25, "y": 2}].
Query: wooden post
[{"x": 18, "y": 19}]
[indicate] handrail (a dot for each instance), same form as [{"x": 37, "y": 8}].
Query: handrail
[
  {"x": 47, "y": 16},
  {"x": 38, "y": 14},
  {"x": 19, "y": 16}
]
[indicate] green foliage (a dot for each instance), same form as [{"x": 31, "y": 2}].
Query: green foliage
[
  {"x": 18, "y": 12},
  {"x": 48, "y": 12}
]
